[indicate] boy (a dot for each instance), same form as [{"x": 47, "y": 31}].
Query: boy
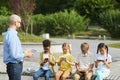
[
  {"x": 85, "y": 63},
  {"x": 47, "y": 61}
]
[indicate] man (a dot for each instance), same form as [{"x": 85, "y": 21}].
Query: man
[
  {"x": 85, "y": 63},
  {"x": 13, "y": 54}
]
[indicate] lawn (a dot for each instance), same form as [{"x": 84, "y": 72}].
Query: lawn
[
  {"x": 93, "y": 32},
  {"x": 26, "y": 38},
  {"x": 116, "y": 45}
]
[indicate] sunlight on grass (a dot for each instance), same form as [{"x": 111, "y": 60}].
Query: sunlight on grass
[
  {"x": 26, "y": 38},
  {"x": 116, "y": 45}
]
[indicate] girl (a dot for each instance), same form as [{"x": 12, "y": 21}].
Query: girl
[
  {"x": 102, "y": 62},
  {"x": 64, "y": 62}
]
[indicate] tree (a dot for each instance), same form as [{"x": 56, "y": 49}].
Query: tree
[
  {"x": 111, "y": 22},
  {"x": 4, "y": 8},
  {"x": 118, "y": 1},
  {"x": 92, "y": 8},
  {"x": 52, "y": 6},
  {"x": 24, "y": 8}
]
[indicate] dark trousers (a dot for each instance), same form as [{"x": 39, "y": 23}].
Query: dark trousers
[{"x": 14, "y": 71}]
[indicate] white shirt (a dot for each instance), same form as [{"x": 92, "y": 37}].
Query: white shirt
[
  {"x": 46, "y": 65},
  {"x": 102, "y": 57},
  {"x": 85, "y": 60}
]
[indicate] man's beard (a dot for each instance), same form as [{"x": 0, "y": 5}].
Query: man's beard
[{"x": 17, "y": 29}]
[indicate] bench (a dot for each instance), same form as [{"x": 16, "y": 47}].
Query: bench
[
  {"x": 110, "y": 77},
  {"x": 113, "y": 77},
  {"x": 53, "y": 76}
]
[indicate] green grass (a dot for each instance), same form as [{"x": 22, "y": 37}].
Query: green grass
[
  {"x": 115, "y": 45},
  {"x": 26, "y": 38},
  {"x": 1, "y": 38},
  {"x": 93, "y": 32}
]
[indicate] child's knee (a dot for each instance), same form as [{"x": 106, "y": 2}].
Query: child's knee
[
  {"x": 76, "y": 77},
  {"x": 57, "y": 75},
  {"x": 64, "y": 76},
  {"x": 35, "y": 76}
]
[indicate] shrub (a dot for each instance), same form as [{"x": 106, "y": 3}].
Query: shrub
[
  {"x": 111, "y": 22},
  {"x": 3, "y": 23},
  {"x": 38, "y": 24},
  {"x": 61, "y": 23}
]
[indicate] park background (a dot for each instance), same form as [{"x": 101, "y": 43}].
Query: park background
[
  {"x": 61, "y": 18},
  {"x": 76, "y": 21}
]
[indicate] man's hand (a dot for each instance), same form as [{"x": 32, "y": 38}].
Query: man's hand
[{"x": 28, "y": 54}]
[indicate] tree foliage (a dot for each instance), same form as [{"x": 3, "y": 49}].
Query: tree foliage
[
  {"x": 52, "y": 6},
  {"x": 111, "y": 22},
  {"x": 3, "y": 23},
  {"x": 4, "y": 8},
  {"x": 61, "y": 23},
  {"x": 92, "y": 8},
  {"x": 24, "y": 8}
]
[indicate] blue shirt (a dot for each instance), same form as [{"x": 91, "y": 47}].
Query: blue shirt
[{"x": 12, "y": 47}]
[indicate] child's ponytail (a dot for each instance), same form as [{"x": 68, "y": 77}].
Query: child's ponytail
[{"x": 101, "y": 45}]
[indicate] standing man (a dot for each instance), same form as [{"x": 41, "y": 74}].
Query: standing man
[{"x": 13, "y": 54}]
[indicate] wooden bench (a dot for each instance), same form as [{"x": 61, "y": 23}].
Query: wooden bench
[
  {"x": 53, "y": 76},
  {"x": 110, "y": 77},
  {"x": 113, "y": 77}
]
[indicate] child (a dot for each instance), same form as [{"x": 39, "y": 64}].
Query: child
[
  {"x": 85, "y": 63},
  {"x": 64, "y": 62},
  {"x": 102, "y": 62},
  {"x": 47, "y": 62}
]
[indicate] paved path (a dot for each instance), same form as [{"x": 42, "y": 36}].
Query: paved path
[{"x": 75, "y": 44}]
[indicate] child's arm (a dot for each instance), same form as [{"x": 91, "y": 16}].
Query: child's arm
[
  {"x": 52, "y": 62},
  {"x": 96, "y": 63},
  {"x": 42, "y": 63},
  {"x": 108, "y": 64},
  {"x": 71, "y": 63},
  {"x": 77, "y": 66},
  {"x": 59, "y": 63},
  {"x": 90, "y": 67}
]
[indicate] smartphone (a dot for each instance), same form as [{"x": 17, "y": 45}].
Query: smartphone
[
  {"x": 63, "y": 58},
  {"x": 46, "y": 59},
  {"x": 100, "y": 60}
]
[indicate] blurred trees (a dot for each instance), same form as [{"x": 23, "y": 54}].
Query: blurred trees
[
  {"x": 92, "y": 8},
  {"x": 61, "y": 23},
  {"x": 52, "y": 6},
  {"x": 4, "y": 8},
  {"x": 24, "y": 8},
  {"x": 63, "y": 17},
  {"x": 111, "y": 22}
]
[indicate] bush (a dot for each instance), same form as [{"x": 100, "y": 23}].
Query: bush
[
  {"x": 62, "y": 23},
  {"x": 111, "y": 22},
  {"x": 3, "y": 23},
  {"x": 92, "y": 8},
  {"x": 38, "y": 24},
  {"x": 4, "y": 11}
]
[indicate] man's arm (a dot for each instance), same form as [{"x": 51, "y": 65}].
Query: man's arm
[{"x": 15, "y": 48}]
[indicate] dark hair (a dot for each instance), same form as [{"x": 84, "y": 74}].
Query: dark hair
[
  {"x": 101, "y": 45},
  {"x": 46, "y": 43}
]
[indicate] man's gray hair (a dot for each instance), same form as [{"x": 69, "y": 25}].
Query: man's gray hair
[{"x": 14, "y": 18}]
